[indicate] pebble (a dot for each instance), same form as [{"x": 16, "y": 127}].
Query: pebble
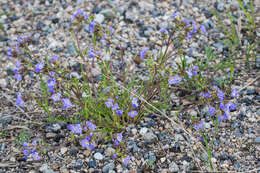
[
  {"x": 108, "y": 13},
  {"x": 143, "y": 131},
  {"x": 150, "y": 137},
  {"x": 78, "y": 164},
  {"x": 99, "y": 18},
  {"x": 3, "y": 83},
  {"x": 257, "y": 139},
  {"x": 45, "y": 169},
  {"x": 98, "y": 156},
  {"x": 173, "y": 167},
  {"x": 110, "y": 151},
  {"x": 92, "y": 164},
  {"x": 63, "y": 150},
  {"x": 50, "y": 135},
  {"x": 108, "y": 167}
]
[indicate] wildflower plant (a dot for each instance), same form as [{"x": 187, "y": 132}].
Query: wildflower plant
[{"x": 107, "y": 104}]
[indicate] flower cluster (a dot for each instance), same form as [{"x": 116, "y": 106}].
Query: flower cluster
[
  {"x": 17, "y": 75},
  {"x": 193, "y": 71},
  {"x": 78, "y": 16},
  {"x": 174, "y": 80},
  {"x": 118, "y": 138},
  {"x": 75, "y": 128},
  {"x": 30, "y": 150},
  {"x": 143, "y": 53},
  {"x": 114, "y": 106},
  {"x": 19, "y": 100},
  {"x": 85, "y": 143}
]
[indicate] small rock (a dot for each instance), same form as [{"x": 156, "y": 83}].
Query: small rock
[
  {"x": 134, "y": 131},
  {"x": 63, "y": 150},
  {"x": 250, "y": 92},
  {"x": 143, "y": 131},
  {"x": 98, "y": 156},
  {"x": 108, "y": 13},
  {"x": 219, "y": 6},
  {"x": 110, "y": 151},
  {"x": 78, "y": 164},
  {"x": 50, "y": 135},
  {"x": 73, "y": 150},
  {"x": 150, "y": 137},
  {"x": 3, "y": 83},
  {"x": 99, "y": 18},
  {"x": 3, "y": 147},
  {"x": 257, "y": 139},
  {"x": 3, "y": 38},
  {"x": 45, "y": 169},
  {"x": 173, "y": 167},
  {"x": 108, "y": 167},
  {"x": 92, "y": 164}
]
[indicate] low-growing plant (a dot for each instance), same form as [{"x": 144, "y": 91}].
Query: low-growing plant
[{"x": 101, "y": 106}]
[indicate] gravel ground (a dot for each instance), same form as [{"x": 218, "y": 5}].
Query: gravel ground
[{"x": 154, "y": 144}]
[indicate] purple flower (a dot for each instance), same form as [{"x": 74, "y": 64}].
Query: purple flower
[
  {"x": 175, "y": 15},
  {"x": 51, "y": 84},
  {"x": 118, "y": 139},
  {"x": 119, "y": 112},
  {"x": 132, "y": 114},
  {"x": 212, "y": 110},
  {"x": 55, "y": 58},
  {"x": 92, "y": 27},
  {"x": 75, "y": 128},
  {"x": 35, "y": 156},
  {"x": 194, "y": 29},
  {"x": 78, "y": 14},
  {"x": 115, "y": 107},
  {"x": 231, "y": 106},
  {"x": 66, "y": 103},
  {"x": 199, "y": 126},
  {"x": 18, "y": 76},
  {"x": 189, "y": 72},
  {"x": 143, "y": 52},
  {"x": 109, "y": 103},
  {"x": 107, "y": 89},
  {"x": 56, "y": 97},
  {"x": 19, "y": 100},
  {"x": 9, "y": 52},
  {"x": 53, "y": 74},
  {"x": 225, "y": 116},
  {"x": 174, "y": 80},
  {"x": 114, "y": 156},
  {"x": 195, "y": 70},
  {"x": 39, "y": 67},
  {"x": 203, "y": 28},
  {"x": 126, "y": 160},
  {"x": 205, "y": 95},
  {"x": 234, "y": 93},
  {"x": 220, "y": 95},
  {"x": 91, "y": 52},
  {"x": 187, "y": 23},
  {"x": 111, "y": 30},
  {"x": 134, "y": 102},
  {"x": 222, "y": 106},
  {"x": 90, "y": 126},
  {"x": 18, "y": 64},
  {"x": 85, "y": 143},
  {"x": 163, "y": 30}
]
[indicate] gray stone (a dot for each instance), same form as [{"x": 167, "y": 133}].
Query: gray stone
[
  {"x": 3, "y": 83},
  {"x": 150, "y": 137},
  {"x": 71, "y": 50},
  {"x": 219, "y": 46},
  {"x": 108, "y": 13},
  {"x": 98, "y": 156},
  {"x": 257, "y": 139},
  {"x": 173, "y": 167},
  {"x": 108, "y": 167},
  {"x": 219, "y": 6},
  {"x": 99, "y": 18},
  {"x": 3, "y": 147},
  {"x": 110, "y": 151},
  {"x": 3, "y": 38},
  {"x": 258, "y": 62},
  {"x": 143, "y": 131},
  {"x": 78, "y": 164},
  {"x": 45, "y": 169}
]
